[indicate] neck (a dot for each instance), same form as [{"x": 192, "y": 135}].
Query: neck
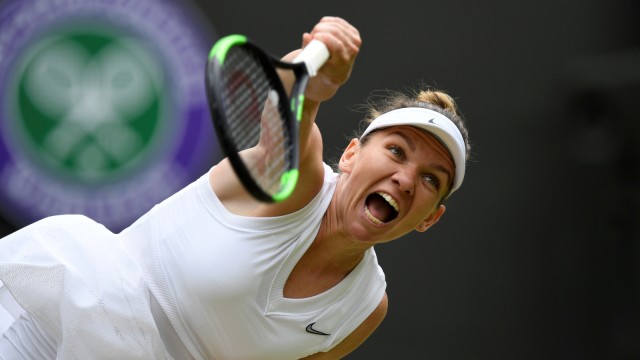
[
  {"x": 333, "y": 246},
  {"x": 330, "y": 258}
]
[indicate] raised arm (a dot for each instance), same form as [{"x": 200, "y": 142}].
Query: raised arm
[{"x": 343, "y": 42}]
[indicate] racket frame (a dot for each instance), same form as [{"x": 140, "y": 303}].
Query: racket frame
[{"x": 290, "y": 105}]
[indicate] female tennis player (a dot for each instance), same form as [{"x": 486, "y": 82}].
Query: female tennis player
[{"x": 211, "y": 273}]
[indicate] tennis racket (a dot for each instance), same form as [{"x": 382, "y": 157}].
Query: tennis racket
[{"x": 255, "y": 117}]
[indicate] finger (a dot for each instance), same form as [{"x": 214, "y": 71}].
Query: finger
[
  {"x": 339, "y": 37},
  {"x": 337, "y": 24},
  {"x": 343, "y": 33},
  {"x": 306, "y": 39}
]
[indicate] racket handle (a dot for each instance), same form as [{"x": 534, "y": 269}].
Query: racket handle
[{"x": 314, "y": 55}]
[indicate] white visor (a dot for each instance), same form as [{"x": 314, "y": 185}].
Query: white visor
[{"x": 436, "y": 124}]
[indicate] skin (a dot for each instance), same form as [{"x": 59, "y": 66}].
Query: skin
[{"x": 407, "y": 164}]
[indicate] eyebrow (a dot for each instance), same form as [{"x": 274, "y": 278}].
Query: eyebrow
[{"x": 407, "y": 139}]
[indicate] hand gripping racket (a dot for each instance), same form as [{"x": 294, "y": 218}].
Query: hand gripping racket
[{"x": 255, "y": 117}]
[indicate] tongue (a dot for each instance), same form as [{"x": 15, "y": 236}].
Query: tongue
[{"x": 378, "y": 207}]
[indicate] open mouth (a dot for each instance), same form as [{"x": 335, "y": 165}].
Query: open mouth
[{"x": 380, "y": 208}]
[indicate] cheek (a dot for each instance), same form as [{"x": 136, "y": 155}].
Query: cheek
[
  {"x": 364, "y": 163},
  {"x": 370, "y": 159},
  {"x": 427, "y": 204}
]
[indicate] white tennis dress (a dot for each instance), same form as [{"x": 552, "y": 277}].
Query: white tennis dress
[{"x": 188, "y": 280}]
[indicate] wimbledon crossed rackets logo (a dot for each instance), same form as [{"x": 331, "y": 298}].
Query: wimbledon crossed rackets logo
[
  {"x": 89, "y": 104},
  {"x": 103, "y": 110}
]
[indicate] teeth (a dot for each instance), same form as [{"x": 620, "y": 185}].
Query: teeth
[
  {"x": 371, "y": 217},
  {"x": 390, "y": 200}
]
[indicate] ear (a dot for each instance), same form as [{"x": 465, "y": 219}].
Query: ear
[
  {"x": 349, "y": 155},
  {"x": 431, "y": 219}
]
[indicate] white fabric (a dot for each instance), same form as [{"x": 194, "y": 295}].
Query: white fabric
[
  {"x": 435, "y": 123},
  {"x": 225, "y": 275},
  {"x": 76, "y": 281},
  {"x": 10, "y": 310},
  {"x": 188, "y": 274},
  {"x": 26, "y": 340}
]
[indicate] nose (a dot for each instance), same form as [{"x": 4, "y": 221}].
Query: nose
[{"x": 405, "y": 177}]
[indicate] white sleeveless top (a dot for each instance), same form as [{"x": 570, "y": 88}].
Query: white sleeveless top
[
  {"x": 204, "y": 282},
  {"x": 219, "y": 278}
]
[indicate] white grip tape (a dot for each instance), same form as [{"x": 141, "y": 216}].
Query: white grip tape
[{"x": 314, "y": 55}]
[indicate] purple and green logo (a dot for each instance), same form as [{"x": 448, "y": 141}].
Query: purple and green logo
[{"x": 103, "y": 108}]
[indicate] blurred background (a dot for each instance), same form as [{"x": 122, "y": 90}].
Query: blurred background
[{"x": 538, "y": 256}]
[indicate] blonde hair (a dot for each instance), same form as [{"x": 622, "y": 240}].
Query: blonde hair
[{"x": 435, "y": 100}]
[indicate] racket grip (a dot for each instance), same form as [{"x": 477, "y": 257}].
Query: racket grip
[{"x": 314, "y": 55}]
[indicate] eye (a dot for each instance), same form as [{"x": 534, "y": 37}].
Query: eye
[
  {"x": 395, "y": 150},
  {"x": 432, "y": 180}
]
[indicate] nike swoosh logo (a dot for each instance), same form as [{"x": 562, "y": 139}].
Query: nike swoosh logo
[
  {"x": 311, "y": 330},
  {"x": 433, "y": 122}
]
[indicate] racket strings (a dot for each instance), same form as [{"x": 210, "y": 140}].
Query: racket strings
[
  {"x": 271, "y": 122},
  {"x": 255, "y": 118}
]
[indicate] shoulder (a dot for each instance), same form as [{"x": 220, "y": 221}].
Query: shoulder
[
  {"x": 230, "y": 192},
  {"x": 375, "y": 318},
  {"x": 378, "y": 315}
]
